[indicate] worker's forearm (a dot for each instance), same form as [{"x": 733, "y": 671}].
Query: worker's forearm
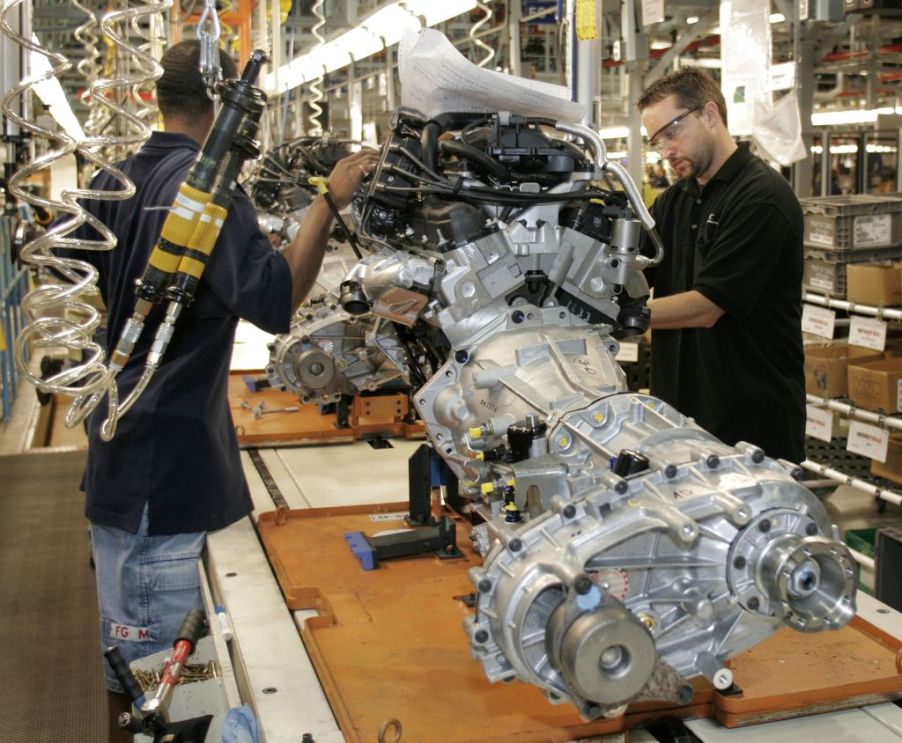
[
  {"x": 690, "y": 309},
  {"x": 305, "y": 253}
]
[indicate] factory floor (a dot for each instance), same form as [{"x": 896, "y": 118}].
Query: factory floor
[{"x": 48, "y": 618}]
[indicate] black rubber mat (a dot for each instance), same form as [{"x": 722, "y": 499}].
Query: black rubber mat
[{"x": 50, "y": 662}]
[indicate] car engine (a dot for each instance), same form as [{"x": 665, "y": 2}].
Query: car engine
[
  {"x": 329, "y": 353},
  {"x": 625, "y": 549}
]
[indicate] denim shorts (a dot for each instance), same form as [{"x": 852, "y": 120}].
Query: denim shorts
[{"x": 145, "y": 587}]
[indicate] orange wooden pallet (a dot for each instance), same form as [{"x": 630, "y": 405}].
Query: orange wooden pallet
[
  {"x": 389, "y": 644},
  {"x": 384, "y": 414},
  {"x": 793, "y": 674}
]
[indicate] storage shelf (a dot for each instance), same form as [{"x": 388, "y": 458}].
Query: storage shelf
[
  {"x": 866, "y": 562},
  {"x": 890, "y": 496},
  {"x": 883, "y": 313},
  {"x": 851, "y": 411}
]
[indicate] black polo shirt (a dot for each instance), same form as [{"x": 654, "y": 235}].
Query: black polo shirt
[
  {"x": 176, "y": 448},
  {"x": 737, "y": 241}
]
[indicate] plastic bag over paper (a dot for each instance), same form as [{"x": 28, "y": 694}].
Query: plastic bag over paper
[{"x": 436, "y": 78}]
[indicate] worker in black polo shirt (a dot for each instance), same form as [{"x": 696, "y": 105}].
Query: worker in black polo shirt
[
  {"x": 726, "y": 312},
  {"x": 172, "y": 471}
]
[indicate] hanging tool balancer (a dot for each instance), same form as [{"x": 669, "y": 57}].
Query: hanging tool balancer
[{"x": 195, "y": 220}]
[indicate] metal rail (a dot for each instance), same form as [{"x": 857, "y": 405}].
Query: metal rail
[
  {"x": 886, "y": 313},
  {"x": 890, "y": 496},
  {"x": 866, "y": 562},
  {"x": 884, "y": 421}
]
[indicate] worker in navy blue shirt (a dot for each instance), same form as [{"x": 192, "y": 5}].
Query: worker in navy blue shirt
[
  {"x": 172, "y": 471},
  {"x": 726, "y": 312}
]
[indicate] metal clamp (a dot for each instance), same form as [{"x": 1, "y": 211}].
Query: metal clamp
[{"x": 210, "y": 68}]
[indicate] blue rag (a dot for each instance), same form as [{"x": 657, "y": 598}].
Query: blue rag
[{"x": 240, "y": 726}]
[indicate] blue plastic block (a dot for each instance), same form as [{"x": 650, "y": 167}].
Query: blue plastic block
[
  {"x": 439, "y": 472},
  {"x": 361, "y": 548}
]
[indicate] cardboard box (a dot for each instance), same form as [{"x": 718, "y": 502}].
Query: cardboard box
[
  {"x": 891, "y": 469},
  {"x": 826, "y": 365},
  {"x": 875, "y": 284},
  {"x": 877, "y": 385}
]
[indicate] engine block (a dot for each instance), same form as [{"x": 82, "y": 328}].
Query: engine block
[{"x": 625, "y": 549}]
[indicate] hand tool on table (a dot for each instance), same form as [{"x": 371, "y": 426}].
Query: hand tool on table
[{"x": 152, "y": 712}]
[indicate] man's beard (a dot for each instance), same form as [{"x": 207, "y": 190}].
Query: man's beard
[{"x": 697, "y": 164}]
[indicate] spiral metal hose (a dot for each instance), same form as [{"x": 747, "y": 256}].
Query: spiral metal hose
[
  {"x": 56, "y": 316},
  {"x": 152, "y": 38},
  {"x": 315, "y": 127},
  {"x": 89, "y": 67},
  {"x": 489, "y": 51},
  {"x": 134, "y": 131}
]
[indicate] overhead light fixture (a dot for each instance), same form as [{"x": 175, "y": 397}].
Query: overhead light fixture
[
  {"x": 776, "y": 18},
  {"x": 614, "y": 132},
  {"x": 851, "y": 149},
  {"x": 52, "y": 95},
  {"x": 711, "y": 63},
  {"x": 435, "y": 12},
  {"x": 880, "y": 149},
  {"x": 383, "y": 28},
  {"x": 853, "y": 116},
  {"x": 691, "y": 20}
]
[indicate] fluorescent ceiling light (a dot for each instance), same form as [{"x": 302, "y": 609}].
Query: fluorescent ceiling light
[
  {"x": 851, "y": 149},
  {"x": 692, "y": 19},
  {"x": 854, "y": 116},
  {"x": 881, "y": 149},
  {"x": 435, "y": 12},
  {"x": 53, "y": 96},
  {"x": 712, "y": 63},
  {"x": 381, "y": 29},
  {"x": 614, "y": 132}
]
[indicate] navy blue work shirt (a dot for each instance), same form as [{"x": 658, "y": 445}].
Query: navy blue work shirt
[
  {"x": 738, "y": 241},
  {"x": 176, "y": 449}
]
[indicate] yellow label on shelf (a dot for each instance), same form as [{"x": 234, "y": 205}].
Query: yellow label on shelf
[{"x": 586, "y": 20}]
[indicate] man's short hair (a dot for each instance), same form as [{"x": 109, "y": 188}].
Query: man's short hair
[
  {"x": 181, "y": 90},
  {"x": 692, "y": 86}
]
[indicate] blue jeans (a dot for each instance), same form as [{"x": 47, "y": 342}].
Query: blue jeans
[{"x": 145, "y": 587}]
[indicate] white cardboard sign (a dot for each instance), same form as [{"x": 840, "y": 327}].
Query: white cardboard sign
[
  {"x": 818, "y": 321},
  {"x": 819, "y": 423},
  {"x": 869, "y": 441},
  {"x": 867, "y": 333}
]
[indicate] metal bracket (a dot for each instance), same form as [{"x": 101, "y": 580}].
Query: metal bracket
[{"x": 428, "y": 534}]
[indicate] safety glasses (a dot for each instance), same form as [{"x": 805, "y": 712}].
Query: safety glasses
[{"x": 667, "y": 133}]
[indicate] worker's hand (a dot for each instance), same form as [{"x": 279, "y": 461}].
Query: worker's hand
[{"x": 347, "y": 174}]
